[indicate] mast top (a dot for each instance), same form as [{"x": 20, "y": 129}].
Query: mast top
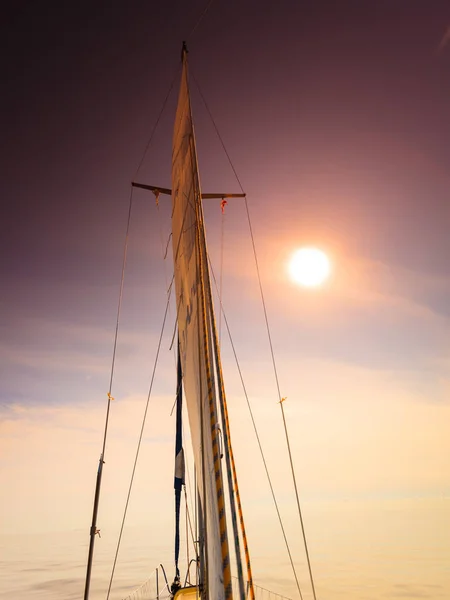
[{"x": 184, "y": 52}]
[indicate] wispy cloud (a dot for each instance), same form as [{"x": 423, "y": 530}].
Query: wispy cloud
[
  {"x": 68, "y": 439},
  {"x": 65, "y": 586},
  {"x": 405, "y": 590},
  {"x": 369, "y": 314}
]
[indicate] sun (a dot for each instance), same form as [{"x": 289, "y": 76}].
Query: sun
[{"x": 309, "y": 267}]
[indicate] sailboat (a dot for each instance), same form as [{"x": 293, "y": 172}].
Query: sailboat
[{"x": 200, "y": 383}]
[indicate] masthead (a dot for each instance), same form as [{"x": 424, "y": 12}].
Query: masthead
[{"x": 184, "y": 52}]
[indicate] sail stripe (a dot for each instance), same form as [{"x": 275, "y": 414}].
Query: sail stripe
[
  {"x": 235, "y": 486},
  {"x": 217, "y": 466}
]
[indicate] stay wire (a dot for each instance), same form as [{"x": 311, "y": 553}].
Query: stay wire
[
  {"x": 164, "y": 255},
  {"x": 280, "y": 398},
  {"x": 190, "y": 487},
  {"x": 222, "y": 233},
  {"x": 140, "y": 440},
  {"x": 267, "y": 323},
  {"x": 267, "y": 327},
  {"x": 298, "y": 503},
  {"x": 155, "y": 126},
  {"x": 251, "y": 234},
  {"x": 116, "y": 333},
  {"x": 199, "y": 20},
  {"x": 190, "y": 523},
  {"x": 257, "y": 436}
]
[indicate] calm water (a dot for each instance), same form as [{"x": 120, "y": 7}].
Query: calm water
[{"x": 360, "y": 551}]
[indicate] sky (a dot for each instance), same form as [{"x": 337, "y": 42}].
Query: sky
[{"x": 336, "y": 118}]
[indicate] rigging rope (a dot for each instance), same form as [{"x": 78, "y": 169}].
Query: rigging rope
[
  {"x": 202, "y": 269},
  {"x": 164, "y": 251},
  {"x": 163, "y": 326},
  {"x": 155, "y": 126},
  {"x": 233, "y": 485},
  {"x": 94, "y": 530},
  {"x": 140, "y": 440},
  {"x": 199, "y": 20},
  {"x": 222, "y": 234},
  {"x": 251, "y": 236},
  {"x": 169, "y": 291},
  {"x": 116, "y": 334},
  {"x": 266, "y": 318},
  {"x": 270, "y": 341},
  {"x": 279, "y": 392},
  {"x": 187, "y": 526},
  {"x": 258, "y": 440},
  {"x": 194, "y": 543},
  {"x": 149, "y": 590},
  {"x": 298, "y": 500},
  {"x": 186, "y": 462}
]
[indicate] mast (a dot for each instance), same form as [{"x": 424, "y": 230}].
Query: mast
[
  {"x": 199, "y": 357},
  {"x": 196, "y": 352}
]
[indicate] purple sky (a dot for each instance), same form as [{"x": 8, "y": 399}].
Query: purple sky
[{"x": 336, "y": 116}]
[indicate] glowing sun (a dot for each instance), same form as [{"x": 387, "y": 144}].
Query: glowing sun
[{"x": 309, "y": 267}]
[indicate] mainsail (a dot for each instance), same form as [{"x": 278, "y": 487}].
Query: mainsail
[
  {"x": 198, "y": 366},
  {"x": 194, "y": 315}
]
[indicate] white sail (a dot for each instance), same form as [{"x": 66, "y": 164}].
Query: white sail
[{"x": 194, "y": 334}]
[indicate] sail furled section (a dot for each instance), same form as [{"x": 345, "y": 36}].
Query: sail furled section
[
  {"x": 194, "y": 328},
  {"x": 179, "y": 465}
]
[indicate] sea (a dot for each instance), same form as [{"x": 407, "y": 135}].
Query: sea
[{"x": 396, "y": 549}]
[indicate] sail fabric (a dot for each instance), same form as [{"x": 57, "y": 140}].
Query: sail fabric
[{"x": 194, "y": 336}]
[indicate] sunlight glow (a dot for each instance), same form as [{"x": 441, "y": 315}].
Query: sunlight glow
[{"x": 309, "y": 267}]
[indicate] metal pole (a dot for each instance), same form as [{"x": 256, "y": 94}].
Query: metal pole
[{"x": 94, "y": 530}]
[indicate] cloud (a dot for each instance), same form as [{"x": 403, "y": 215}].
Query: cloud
[
  {"x": 49, "y": 453},
  {"x": 60, "y": 585},
  {"x": 355, "y": 433},
  {"x": 369, "y": 314},
  {"x": 50, "y": 360},
  {"x": 415, "y": 591},
  {"x": 359, "y": 423}
]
